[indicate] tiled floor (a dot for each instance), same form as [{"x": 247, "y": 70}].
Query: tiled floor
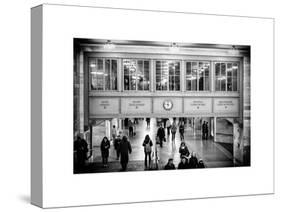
[{"x": 213, "y": 154}]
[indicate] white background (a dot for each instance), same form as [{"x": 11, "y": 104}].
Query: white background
[{"x": 15, "y": 89}]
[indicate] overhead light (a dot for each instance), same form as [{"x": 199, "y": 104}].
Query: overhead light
[
  {"x": 174, "y": 47},
  {"x": 109, "y": 45},
  {"x": 92, "y": 65}
]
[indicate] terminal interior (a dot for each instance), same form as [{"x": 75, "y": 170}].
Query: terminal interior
[
  {"x": 117, "y": 81},
  {"x": 214, "y": 154}
]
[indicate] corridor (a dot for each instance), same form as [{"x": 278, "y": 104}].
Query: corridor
[{"x": 213, "y": 154}]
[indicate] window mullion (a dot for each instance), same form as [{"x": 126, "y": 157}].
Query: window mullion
[
  {"x": 110, "y": 70},
  {"x": 168, "y": 78},
  {"x": 103, "y": 69},
  {"x": 197, "y": 76}
]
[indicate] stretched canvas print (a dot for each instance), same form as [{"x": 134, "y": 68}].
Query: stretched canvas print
[
  {"x": 143, "y": 105},
  {"x": 125, "y": 100}
]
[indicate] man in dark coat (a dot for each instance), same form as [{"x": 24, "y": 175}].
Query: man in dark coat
[
  {"x": 104, "y": 146},
  {"x": 203, "y": 130},
  {"x": 170, "y": 165},
  {"x": 193, "y": 161},
  {"x": 117, "y": 142},
  {"x": 206, "y": 130},
  {"x": 81, "y": 149},
  {"x": 184, "y": 163},
  {"x": 161, "y": 135},
  {"x": 181, "y": 131},
  {"x": 125, "y": 150}
]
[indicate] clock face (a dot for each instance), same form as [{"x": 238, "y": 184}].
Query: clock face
[{"x": 167, "y": 104}]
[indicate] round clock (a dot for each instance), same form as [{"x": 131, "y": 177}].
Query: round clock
[{"x": 168, "y": 105}]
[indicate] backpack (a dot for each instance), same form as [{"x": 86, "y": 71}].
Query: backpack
[{"x": 147, "y": 147}]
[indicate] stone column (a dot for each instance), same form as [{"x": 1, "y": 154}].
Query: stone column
[
  {"x": 215, "y": 129},
  {"x": 81, "y": 92},
  {"x": 212, "y": 77},
  {"x": 237, "y": 147},
  {"x": 120, "y": 124},
  {"x": 246, "y": 110},
  {"x": 108, "y": 129},
  {"x": 151, "y": 76},
  {"x": 119, "y": 75},
  {"x": 182, "y": 74}
]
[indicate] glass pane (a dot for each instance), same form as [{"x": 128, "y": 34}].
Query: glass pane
[
  {"x": 188, "y": 84},
  {"x": 171, "y": 82},
  {"x": 200, "y": 72},
  {"x": 132, "y": 75},
  {"x": 177, "y": 68},
  {"x": 206, "y": 67},
  {"x": 194, "y": 76},
  {"x": 140, "y": 75},
  {"x": 171, "y": 68},
  {"x": 114, "y": 74},
  {"x": 99, "y": 75},
  {"x": 126, "y": 64},
  {"x": 188, "y": 76},
  {"x": 126, "y": 67},
  {"x": 107, "y": 75},
  {"x": 188, "y": 68},
  {"x": 146, "y": 81},
  {"x": 218, "y": 80},
  {"x": 229, "y": 70},
  {"x": 93, "y": 73},
  {"x": 234, "y": 83},
  {"x": 158, "y": 82},
  {"x": 171, "y": 75},
  {"x": 177, "y": 76},
  {"x": 130, "y": 71},
  {"x": 229, "y": 76},
  {"x": 177, "y": 83},
  {"x": 223, "y": 84},
  {"x": 217, "y": 68},
  {"x": 206, "y": 83},
  {"x": 223, "y": 69},
  {"x": 223, "y": 77},
  {"x": 229, "y": 84},
  {"x": 234, "y": 69},
  {"x": 162, "y": 75}
]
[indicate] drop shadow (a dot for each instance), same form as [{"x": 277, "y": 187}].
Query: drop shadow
[{"x": 24, "y": 198}]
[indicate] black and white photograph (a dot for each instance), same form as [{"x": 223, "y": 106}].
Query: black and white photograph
[{"x": 151, "y": 105}]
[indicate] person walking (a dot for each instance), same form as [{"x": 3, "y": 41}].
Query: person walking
[
  {"x": 114, "y": 132},
  {"x": 125, "y": 150},
  {"x": 117, "y": 142},
  {"x": 206, "y": 130},
  {"x": 161, "y": 135},
  {"x": 183, "y": 150},
  {"x": 81, "y": 150},
  {"x": 174, "y": 130},
  {"x": 181, "y": 131},
  {"x": 168, "y": 125},
  {"x": 104, "y": 146},
  {"x": 147, "y": 123},
  {"x": 147, "y": 144},
  {"x": 131, "y": 128}
]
